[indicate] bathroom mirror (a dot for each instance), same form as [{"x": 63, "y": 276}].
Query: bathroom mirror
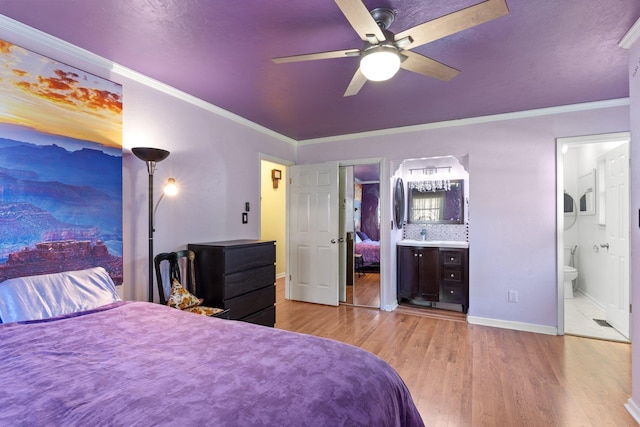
[
  {"x": 398, "y": 203},
  {"x": 436, "y": 206},
  {"x": 587, "y": 194}
]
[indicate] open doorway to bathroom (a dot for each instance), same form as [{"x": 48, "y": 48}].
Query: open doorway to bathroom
[{"x": 593, "y": 236}]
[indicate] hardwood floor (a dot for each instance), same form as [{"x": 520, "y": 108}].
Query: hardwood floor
[
  {"x": 469, "y": 375},
  {"x": 365, "y": 291}
]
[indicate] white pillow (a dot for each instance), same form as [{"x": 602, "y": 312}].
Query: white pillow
[{"x": 50, "y": 295}]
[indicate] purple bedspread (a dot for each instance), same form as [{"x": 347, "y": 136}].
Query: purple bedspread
[
  {"x": 137, "y": 363},
  {"x": 370, "y": 251}
]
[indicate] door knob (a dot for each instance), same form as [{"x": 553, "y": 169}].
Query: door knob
[
  {"x": 341, "y": 240},
  {"x": 333, "y": 240},
  {"x": 604, "y": 245}
]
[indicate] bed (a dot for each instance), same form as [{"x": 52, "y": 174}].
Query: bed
[
  {"x": 136, "y": 363},
  {"x": 369, "y": 249}
]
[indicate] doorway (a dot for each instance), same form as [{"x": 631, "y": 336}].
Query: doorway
[
  {"x": 360, "y": 228},
  {"x": 593, "y": 236},
  {"x": 317, "y": 235},
  {"x": 273, "y": 208}
]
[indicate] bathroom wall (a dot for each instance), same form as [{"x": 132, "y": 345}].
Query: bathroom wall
[
  {"x": 570, "y": 178},
  {"x": 587, "y": 234}
]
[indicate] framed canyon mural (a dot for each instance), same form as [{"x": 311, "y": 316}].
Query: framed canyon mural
[{"x": 60, "y": 167}]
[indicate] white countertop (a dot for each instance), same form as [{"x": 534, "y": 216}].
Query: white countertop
[{"x": 435, "y": 243}]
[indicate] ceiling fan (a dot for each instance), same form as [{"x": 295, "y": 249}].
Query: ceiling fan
[{"x": 384, "y": 52}]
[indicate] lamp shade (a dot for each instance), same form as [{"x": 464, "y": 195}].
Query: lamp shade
[
  {"x": 150, "y": 154},
  {"x": 380, "y": 63}
]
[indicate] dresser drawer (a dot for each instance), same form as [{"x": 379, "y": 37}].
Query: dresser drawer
[
  {"x": 250, "y": 303},
  {"x": 266, "y": 317},
  {"x": 249, "y": 280},
  {"x": 452, "y": 294},
  {"x": 452, "y": 275},
  {"x": 247, "y": 257}
]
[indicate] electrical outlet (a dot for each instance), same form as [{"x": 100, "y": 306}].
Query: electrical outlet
[
  {"x": 513, "y": 296},
  {"x": 245, "y": 217}
]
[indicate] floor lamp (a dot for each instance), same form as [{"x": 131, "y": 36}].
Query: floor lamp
[{"x": 151, "y": 156}]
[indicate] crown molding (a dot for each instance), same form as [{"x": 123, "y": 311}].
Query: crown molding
[
  {"x": 38, "y": 40},
  {"x": 631, "y": 37},
  {"x": 475, "y": 120}
]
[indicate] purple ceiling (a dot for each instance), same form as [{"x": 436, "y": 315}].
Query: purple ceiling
[{"x": 544, "y": 53}]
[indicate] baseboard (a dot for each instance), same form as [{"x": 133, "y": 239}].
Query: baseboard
[
  {"x": 281, "y": 275},
  {"x": 592, "y": 299},
  {"x": 389, "y": 307},
  {"x": 517, "y": 326},
  {"x": 633, "y": 409}
]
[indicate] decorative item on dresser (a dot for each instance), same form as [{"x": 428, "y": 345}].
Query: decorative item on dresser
[{"x": 238, "y": 275}]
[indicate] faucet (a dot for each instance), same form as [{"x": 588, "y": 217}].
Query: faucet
[{"x": 423, "y": 234}]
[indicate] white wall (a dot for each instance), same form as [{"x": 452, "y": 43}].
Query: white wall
[
  {"x": 512, "y": 212},
  {"x": 570, "y": 184},
  {"x": 216, "y": 163}
]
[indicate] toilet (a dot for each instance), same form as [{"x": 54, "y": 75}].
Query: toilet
[{"x": 570, "y": 274}]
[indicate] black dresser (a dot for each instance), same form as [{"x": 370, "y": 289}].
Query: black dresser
[{"x": 238, "y": 275}]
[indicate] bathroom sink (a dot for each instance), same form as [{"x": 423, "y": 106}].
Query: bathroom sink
[{"x": 435, "y": 243}]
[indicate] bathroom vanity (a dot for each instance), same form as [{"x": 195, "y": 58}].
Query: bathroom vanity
[{"x": 433, "y": 272}]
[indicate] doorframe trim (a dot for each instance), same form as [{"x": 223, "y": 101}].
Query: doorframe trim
[{"x": 560, "y": 142}]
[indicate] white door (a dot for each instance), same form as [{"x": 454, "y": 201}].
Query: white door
[
  {"x": 313, "y": 233},
  {"x": 617, "y": 226}
]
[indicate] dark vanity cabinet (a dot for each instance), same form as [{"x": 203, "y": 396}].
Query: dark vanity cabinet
[
  {"x": 454, "y": 277},
  {"x": 418, "y": 273},
  {"x": 238, "y": 275},
  {"x": 433, "y": 274}
]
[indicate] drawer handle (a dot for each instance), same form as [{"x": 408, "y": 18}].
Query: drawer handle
[
  {"x": 452, "y": 259},
  {"x": 451, "y": 291},
  {"x": 452, "y": 275}
]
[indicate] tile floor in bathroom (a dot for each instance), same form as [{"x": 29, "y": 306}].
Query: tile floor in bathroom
[{"x": 579, "y": 313}]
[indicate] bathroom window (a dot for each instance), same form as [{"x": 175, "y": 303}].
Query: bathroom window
[{"x": 427, "y": 207}]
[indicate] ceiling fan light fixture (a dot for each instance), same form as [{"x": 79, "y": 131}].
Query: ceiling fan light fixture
[{"x": 380, "y": 63}]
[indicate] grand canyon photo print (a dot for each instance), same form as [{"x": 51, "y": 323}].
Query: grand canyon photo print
[{"x": 60, "y": 167}]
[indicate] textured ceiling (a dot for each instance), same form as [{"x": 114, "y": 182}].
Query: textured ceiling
[{"x": 544, "y": 53}]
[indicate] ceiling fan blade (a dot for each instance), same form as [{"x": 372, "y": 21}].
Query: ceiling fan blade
[
  {"x": 318, "y": 55},
  {"x": 426, "y": 66},
  {"x": 360, "y": 19},
  {"x": 356, "y": 84},
  {"x": 454, "y": 22}
]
